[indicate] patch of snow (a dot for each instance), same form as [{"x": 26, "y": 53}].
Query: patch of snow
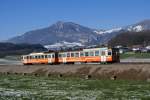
[
  {"x": 63, "y": 44},
  {"x": 138, "y": 28},
  {"x": 130, "y": 28},
  {"x": 109, "y": 31},
  {"x": 113, "y": 30},
  {"x": 99, "y": 32}
]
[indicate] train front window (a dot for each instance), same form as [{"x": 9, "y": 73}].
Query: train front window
[
  {"x": 53, "y": 56},
  {"x": 96, "y": 53},
  {"x": 109, "y": 53}
]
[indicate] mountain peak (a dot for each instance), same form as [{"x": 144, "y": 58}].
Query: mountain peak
[
  {"x": 59, "y": 22},
  {"x": 140, "y": 26},
  {"x": 61, "y": 25}
]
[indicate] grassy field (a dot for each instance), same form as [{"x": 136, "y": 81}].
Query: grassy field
[
  {"x": 134, "y": 55},
  {"x": 15, "y": 87}
]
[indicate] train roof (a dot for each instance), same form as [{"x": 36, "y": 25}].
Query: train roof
[
  {"x": 90, "y": 49},
  {"x": 76, "y": 50}
]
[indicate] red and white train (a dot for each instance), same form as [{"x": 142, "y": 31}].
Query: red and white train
[{"x": 98, "y": 55}]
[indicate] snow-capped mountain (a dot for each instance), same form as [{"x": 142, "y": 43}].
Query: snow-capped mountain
[
  {"x": 138, "y": 27},
  {"x": 138, "y": 33},
  {"x": 71, "y": 34},
  {"x": 58, "y": 32}
]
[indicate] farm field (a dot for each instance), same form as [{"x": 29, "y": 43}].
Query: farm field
[
  {"x": 19, "y": 87},
  {"x": 134, "y": 55}
]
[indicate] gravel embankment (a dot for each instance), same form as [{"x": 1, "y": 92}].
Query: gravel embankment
[{"x": 110, "y": 71}]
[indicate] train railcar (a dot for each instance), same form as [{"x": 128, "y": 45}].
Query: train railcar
[
  {"x": 100, "y": 55},
  {"x": 40, "y": 58}
]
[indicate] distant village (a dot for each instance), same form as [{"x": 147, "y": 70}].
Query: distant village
[{"x": 134, "y": 48}]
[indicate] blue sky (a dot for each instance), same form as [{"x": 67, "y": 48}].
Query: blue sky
[{"x": 19, "y": 16}]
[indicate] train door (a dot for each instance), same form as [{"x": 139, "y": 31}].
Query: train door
[
  {"x": 103, "y": 56},
  {"x": 49, "y": 58},
  {"x": 64, "y": 58}
]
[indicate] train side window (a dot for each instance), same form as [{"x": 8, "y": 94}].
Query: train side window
[
  {"x": 68, "y": 54},
  {"x": 63, "y": 55},
  {"x": 81, "y": 54},
  {"x": 59, "y": 55},
  {"x": 96, "y": 53},
  {"x": 103, "y": 53},
  {"x": 76, "y": 54},
  {"x": 36, "y": 57},
  {"x": 45, "y": 56},
  {"x": 32, "y": 57},
  {"x": 39, "y": 57},
  {"x": 91, "y": 53},
  {"x": 86, "y": 53},
  {"x": 72, "y": 54},
  {"x": 42, "y": 56},
  {"x": 109, "y": 53}
]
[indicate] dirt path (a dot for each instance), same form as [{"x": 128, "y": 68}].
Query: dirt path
[{"x": 111, "y": 71}]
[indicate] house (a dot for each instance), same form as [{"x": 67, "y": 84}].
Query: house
[
  {"x": 137, "y": 48},
  {"x": 122, "y": 49}
]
